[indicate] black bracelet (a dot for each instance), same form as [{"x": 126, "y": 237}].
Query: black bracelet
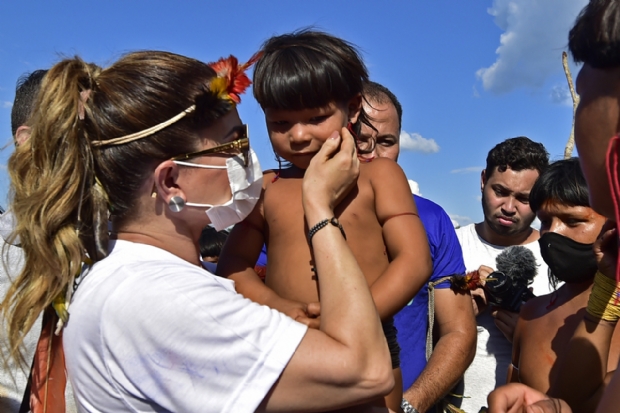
[{"x": 322, "y": 224}]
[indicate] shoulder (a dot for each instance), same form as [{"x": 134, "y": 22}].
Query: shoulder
[
  {"x": 381, "y": 166},
  {"x": 467, "y": 232},
  {"x": 431, "y": 212},
  {"x": 535, "y": 307}
]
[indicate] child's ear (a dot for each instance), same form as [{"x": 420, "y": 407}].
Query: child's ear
[{"x": 355, "y": 107}]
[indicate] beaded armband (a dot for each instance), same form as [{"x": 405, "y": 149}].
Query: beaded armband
[{"x": 604, "y": 302}]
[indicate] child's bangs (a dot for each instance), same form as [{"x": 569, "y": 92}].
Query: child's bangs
[{"x": 299, "y": 79}]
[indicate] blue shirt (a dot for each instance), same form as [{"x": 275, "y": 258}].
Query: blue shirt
[{"x": 412, "y": 321}]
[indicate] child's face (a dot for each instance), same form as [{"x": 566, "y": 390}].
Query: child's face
[{"x": 297, "y": 135}]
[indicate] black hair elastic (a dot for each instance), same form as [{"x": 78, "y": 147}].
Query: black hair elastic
[{"x": 322, "y": 224}]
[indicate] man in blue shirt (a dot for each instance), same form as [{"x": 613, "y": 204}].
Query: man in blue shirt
[{"x": 425, "y": 383}]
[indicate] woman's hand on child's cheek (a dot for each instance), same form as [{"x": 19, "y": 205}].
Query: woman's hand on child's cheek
[
  {"x": 606, "y": 250},
  {"x": 331, "y": 174}
]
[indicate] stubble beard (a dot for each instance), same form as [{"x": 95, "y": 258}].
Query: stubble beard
[{"x": 499, "y": 229}]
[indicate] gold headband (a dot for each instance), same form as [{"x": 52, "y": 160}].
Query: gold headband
[
  {"x": 229, "y": 83},
  {"x": 144, "y": 133}
]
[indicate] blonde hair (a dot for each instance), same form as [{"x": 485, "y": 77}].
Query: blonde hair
[{"x": 63, "y": 188}]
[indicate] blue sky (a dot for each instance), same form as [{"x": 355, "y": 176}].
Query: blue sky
[{"x": 469, "y": 74}]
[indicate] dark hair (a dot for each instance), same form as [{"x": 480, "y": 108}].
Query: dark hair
[
  {"x": 375, "y": 92},
  {"x": 211, "y": 241},
  {"x": 26, "y": 91},
  {"x": 517, "y": 154},
  {"x": 561, "y": 182},
  {"x": 595, "y": 37},
  {"x": 307, "y": 69}
]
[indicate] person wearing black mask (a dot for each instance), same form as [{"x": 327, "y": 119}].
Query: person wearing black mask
[{"x": 568, "y": 230}]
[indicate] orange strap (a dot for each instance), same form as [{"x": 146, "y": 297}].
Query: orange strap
[
  {"x": 399, "y": 215},
  {"x": 49, "y": 377}
]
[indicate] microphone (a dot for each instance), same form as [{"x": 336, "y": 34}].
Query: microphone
[{"x": 507, "y": 287}]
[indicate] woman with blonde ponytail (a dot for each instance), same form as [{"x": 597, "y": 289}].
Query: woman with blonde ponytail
[{"x": 123, "y": 169}]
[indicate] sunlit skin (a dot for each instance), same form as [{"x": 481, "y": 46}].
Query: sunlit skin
[
  {"x": 386, "y": 138},
  {"x": 547, "y": 323},
  {"x": 505, "y": 204},
  {"x": 297, "y": 135},
  {"x": 597, "y": 120},
  {"x": 392, "y": 253},
  {"x": 454, "y": 319}
]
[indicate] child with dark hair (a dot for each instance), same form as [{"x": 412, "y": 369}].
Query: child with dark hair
[
  {"x": 309, "y": 86},
  {"x": 211, "y": 243},
  {"x": 569, "y": 227}
]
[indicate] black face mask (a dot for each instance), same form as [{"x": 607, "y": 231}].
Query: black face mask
[{"x": 570, "y": 261}]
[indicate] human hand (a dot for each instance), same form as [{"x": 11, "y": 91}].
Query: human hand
[
  {"x": 296, "y": 310},
  {"x": 478, "y": 301},
  {"x": 484, "y": 272},
  {"x": 606, "y": 249},
  {"x": 519, "y": 398},
  {"x": 330, "y": 176},
  {"x": 313, "y": 316},
  {"x": 506, "y": 322}
]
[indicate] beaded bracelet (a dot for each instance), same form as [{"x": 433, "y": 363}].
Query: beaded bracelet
[
  {"x": 604, "y": 302},
  {"x": 322, "y": 224}
]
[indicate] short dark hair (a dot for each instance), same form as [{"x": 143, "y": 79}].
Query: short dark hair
[
  {"x": 26, "y": 92},
  {"x": 307, "y": 69},
  {"x": 211, "y": 242},
  {"x": 562, "y": 182},
  {"x": 376, "y": 92},
  {"x": 517, "y": 154},
  {"x": 595, "y": 37}
]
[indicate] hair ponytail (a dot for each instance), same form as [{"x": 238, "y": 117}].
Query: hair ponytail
[{"x": 52, "y": 176}]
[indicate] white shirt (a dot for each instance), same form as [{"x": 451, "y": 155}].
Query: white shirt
[
  {"x": 493, "y": 352},
  {"x": 150, "y": 332}
]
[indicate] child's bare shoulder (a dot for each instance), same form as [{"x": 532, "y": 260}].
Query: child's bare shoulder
[
  {"x": 536, "y": 307},
  {"x": 268, "y": 176},
  {"x": 380, "y": 168}
]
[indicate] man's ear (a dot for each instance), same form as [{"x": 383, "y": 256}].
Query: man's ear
[
  {"x": 483, "y": 179},
  {"x": 22, "y": 134},
  {"x": 354, "y": 107},
  {"x": 165, "y": 178}
]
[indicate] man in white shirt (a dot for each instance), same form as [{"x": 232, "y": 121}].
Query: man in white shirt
[{"x": 511, "y": 170}]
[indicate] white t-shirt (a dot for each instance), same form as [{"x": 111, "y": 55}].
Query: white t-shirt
[
  {"x": 150, "y": 332},
  {"x": 493, "y": 352}
]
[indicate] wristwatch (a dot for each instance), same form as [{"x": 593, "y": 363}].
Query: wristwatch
[{"x": 407, "y": 407}]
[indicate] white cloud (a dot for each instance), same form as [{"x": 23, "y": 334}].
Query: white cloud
[
  {"x": 536, "y": 223},
  {"x": 561, "y": 95},
  {"x": 415, "y": 187},
  {"x": 530, "y": 50},
  {"x": 467, "y": 170},
  {"x": 415, "y": 142},
  {"x": 5, "y": 104},
  {"x": 460, "y": 220}
]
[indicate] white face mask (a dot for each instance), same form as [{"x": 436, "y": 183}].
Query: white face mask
[{"x": 246, "y": 184}]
